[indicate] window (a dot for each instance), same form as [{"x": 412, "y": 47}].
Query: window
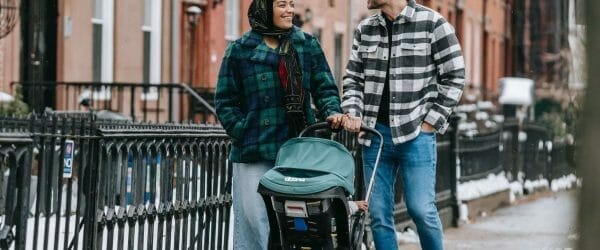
[
  {"x": 147, "y": 32},
  {"x": 232, "y": 19},
  {"x": 102, "y": 45},
  {"x": 151, "y": 30},
  {"x": 97, "y": 42},
  {"x": 338, "y": 57},
  {"x": 317, "y": 34}
]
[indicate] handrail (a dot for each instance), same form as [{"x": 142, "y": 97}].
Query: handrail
[
  {"x": 198, "y": 98},
  {"x": 185, "y": 88}
]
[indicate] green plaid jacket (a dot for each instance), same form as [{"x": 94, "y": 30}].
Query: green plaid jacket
[{"x": 249, "y": 96}]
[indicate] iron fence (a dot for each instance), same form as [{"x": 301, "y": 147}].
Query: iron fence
[
  {"x": 535, "y": 152},
  {"x": 479, "y": 156},
  {"x": 510, "y": 149},
  {"x": 113, "y": 185},
  {"x": 164, "y": 102},
  {"x": 15, "y": 159},
  {"x": 72, "y": 181}
]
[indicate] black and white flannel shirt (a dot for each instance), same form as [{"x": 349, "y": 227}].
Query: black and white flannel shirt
[{"x": 427, "y": 71}]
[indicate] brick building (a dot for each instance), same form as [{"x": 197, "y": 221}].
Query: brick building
[
  {"x": 149, "y": 41},
  {"x": 483, "y": 28}
]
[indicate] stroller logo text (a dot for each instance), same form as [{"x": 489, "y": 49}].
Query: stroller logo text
[{"x": 294, "y": 179}]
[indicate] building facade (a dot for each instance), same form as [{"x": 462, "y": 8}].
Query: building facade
[
  {"x": 483, "y": 28},
  {"x": 159, "y": 41}
]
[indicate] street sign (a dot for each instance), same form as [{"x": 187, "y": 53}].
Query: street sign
[{"x": 68, "y": 159}]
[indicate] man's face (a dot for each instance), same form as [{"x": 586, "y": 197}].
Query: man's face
[{"x": 376, "y": 4}]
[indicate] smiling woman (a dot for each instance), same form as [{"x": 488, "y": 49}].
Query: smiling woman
[
  {"x": 263, "y": 98},
  {"x": 283, "y": 13}
]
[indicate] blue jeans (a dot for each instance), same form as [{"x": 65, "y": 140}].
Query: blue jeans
[
  {"x": 251, "y": 223},
  {"x": 416, "y": 160}
]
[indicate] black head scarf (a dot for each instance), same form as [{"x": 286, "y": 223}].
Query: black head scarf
[{"x": 260, "y": 15}]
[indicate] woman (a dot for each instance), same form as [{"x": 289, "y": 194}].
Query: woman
[{"x": 263, "y": 98}]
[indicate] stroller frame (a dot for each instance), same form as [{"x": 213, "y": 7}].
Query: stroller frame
[{"x": 327, "y": 206}]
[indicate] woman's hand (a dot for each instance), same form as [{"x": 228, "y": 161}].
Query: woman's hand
[
  {"x": 362, "y": 205},
  {"x": 335, "y": 120},
  {"x": 351, "y": 123},
  {"x": 347, "y": 121}
]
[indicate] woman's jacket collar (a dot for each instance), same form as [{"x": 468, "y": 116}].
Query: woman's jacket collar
[{"x": 252, "y": 39}]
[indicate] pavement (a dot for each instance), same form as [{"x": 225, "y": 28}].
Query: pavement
[{"x": 539, "y": 221}]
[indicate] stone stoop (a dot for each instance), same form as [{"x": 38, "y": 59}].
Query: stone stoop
[{"x": 484, "y": 206}]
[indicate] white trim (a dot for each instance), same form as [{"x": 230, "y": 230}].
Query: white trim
[
  {"x": 97, "y": 21},
  {"x": 107, "y": 71},
  {"x": 155, "y": 41},
  {"x": 175, "y": 22},
  {"x": 232, "y": 20}
]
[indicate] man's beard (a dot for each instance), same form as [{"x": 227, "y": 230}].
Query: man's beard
[{"x": 374, "y": 4}]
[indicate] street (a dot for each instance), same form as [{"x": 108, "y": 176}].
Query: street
[{"x": 545, "y": 222}]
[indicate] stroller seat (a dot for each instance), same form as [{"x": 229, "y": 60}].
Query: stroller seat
[
  {"x": 308, "y": 165},
  {"x": 306, "y": 194}
]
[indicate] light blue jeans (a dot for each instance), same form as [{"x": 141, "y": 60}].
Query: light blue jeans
[
  {"x": 251, "y": 225},
  {"x": 416, "y": 161}
]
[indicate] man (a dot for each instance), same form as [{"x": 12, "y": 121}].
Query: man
[{"x": 404, "y": 76}]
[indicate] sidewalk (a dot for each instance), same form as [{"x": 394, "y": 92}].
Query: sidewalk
[{"x": 543, "y": 221}]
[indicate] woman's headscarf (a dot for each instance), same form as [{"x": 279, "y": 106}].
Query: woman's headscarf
[{"x": 260, "y": 15}]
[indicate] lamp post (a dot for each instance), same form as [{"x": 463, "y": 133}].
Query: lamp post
[{"x": 192, "y": 12}]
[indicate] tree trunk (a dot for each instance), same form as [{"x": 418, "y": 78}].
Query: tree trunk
[{"x": 589, "y": 213}]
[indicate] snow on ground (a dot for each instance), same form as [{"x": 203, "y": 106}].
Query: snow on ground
[
  {"x": 563, "y": 183},
  {"x": 479, "y": 188},
  {"x": 135, "y": 232},
  {"x": 4, "y": 97},
  {"x": 408, "y": 236},
  {"x": 516, "y": 190},
  {"x": 532, "y": 185}
]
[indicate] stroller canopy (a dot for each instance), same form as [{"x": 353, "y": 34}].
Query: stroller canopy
[{"x": 308, "y": 165}]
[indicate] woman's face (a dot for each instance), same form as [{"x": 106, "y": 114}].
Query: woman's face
[{"x": 283, "y": 13}]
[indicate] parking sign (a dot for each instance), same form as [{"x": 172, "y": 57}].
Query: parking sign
[{"x": 68, "y": 158}]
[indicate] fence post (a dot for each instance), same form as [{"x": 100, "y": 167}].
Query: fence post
[
  {"x": 92, "y": 179},
  {"x": 24, "y": 173},
  {"x": 454, "y": 167}
]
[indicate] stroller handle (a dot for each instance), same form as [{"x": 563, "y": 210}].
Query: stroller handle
[{"x": 326, "y": 125}]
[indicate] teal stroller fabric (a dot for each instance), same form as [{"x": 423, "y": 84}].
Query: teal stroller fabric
[{"x": 308, "y": 165}]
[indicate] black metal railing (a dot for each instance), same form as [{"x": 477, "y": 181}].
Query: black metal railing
[
  {"x": 535, "y": 152},
  {"x": 114, "y": 185},
  {"x": 560, "y": 164},
  {"x": 510, "y": 148},
  {"x": 179, "y": 192},
  {"x": 15, "y": 161},
  {"x": 479, "y": 156},
  {"x": 164, "y": 102},
  {"x": 73, "y": 181}
]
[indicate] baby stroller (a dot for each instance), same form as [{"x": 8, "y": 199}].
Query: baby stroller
[{"x": 306, "y": 194}]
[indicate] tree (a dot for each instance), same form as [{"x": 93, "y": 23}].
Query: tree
[{"x": 589, "y": 213}]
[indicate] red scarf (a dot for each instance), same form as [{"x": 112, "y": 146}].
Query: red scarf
[{"x": 290, "y": 75}]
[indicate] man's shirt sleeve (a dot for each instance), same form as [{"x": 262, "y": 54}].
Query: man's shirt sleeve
[
  {"x": 354, "y": 80},
  {"x": 450, "y": 65}
]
